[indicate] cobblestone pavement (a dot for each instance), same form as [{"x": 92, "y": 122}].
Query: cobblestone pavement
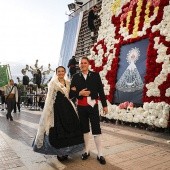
[{"x": 124, "y": 147}]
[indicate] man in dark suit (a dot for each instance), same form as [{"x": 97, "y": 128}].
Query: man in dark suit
[
  {"x": 72, "y": 66},
  {"x": 86, "y": 86},
  {"x": 91, "y": 17}
]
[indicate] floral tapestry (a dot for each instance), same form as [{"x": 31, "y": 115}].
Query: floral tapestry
[{"x": 124, "y": 22}]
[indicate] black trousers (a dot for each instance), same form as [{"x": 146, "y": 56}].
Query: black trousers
[
  {"x": 91, "y": 27},
  {"x": 10, "y": 106},
  {"x": 86, "y": 114},
  {"x": 3, "y": 99},
  {"x": 17, "y": 105}
]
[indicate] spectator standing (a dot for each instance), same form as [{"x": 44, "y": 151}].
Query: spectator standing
[
  {"x": 2, "y": 101},
  {"x": 11, "y": 95},
  {"x": 19, "y": 99},
  {"x": 41, "y": 101},
  {"x": 72, "y": 66},
  {"x": 91, "y": 17}
]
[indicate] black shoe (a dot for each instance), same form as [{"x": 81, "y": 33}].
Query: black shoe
[
  {"x": 14, "y": 112},
  {"x": 61, "y": 158},
  {"x": 7, "y": 117},
  {"x": 84, "y": 156},
  {"x": 101, "y": 160},
  {"x": 11, "y": 118}
]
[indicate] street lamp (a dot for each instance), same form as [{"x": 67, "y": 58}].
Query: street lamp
[{"x": 71, "y": 7}]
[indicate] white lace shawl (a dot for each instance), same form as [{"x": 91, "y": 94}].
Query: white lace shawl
[{"x": 47, "y": 117}]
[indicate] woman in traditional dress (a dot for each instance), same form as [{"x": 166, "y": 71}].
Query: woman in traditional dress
[{"x": 59, "y": 131}]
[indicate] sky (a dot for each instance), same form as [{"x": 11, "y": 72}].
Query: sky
[{"x": 31, "y": 30}]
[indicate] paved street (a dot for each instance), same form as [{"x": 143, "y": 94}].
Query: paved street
[{"x": 125, "y": 147}]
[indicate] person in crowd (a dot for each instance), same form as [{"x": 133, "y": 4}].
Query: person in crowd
[
  {"x": 89, "y": 87},
  {"x": 30, "y": 94},
  {"x": 11, "y": 96},
  {"x": 3, "y": 101},
  {"x": 41, "y": 101},
  {"x": 59, "y": 130},
  {"x": 39, "y": 78},
  {"x": 72, "y": 66},
  {"x": 91, "y": 17},
  {"x": 17, "y": 105}
]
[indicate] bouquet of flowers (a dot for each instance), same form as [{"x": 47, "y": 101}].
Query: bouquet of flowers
[{"x": 125, "y": 105}]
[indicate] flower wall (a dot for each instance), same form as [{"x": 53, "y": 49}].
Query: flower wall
[{"x": 124, "y": 22}]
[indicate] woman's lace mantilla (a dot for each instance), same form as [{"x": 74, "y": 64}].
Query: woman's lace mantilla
[{"x": 47, "y": 117}]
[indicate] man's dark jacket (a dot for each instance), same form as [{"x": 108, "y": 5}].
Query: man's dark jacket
[
  {"x": 91, "y": 18},
  {"x": 93, "y": 83},
  {"x": 72, "y": 62}
]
